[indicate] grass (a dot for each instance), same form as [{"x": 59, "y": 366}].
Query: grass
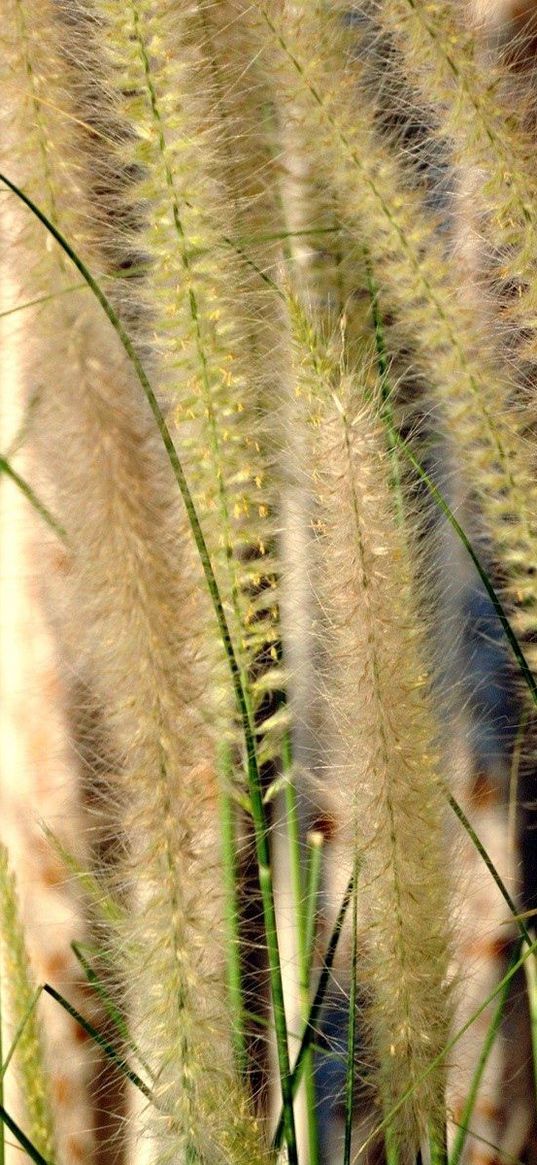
[{"x": 276, "y": 333}]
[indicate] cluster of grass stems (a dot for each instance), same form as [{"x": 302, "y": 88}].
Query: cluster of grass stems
[{"x": 234, "y": 253}]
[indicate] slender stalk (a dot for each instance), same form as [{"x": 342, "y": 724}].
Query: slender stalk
[
  {"x": 21, "y": 1137},
  {"x": 459, "y": 812},
  {"x": 452, "y": 1043},
  {"x": 301, "y": 905},
  {"x": 514, "y": 773},
  {"x": 499, "y": 608},
  {"x": 315, "y": 843},
  {"x": 4, "y": 1064},
  {"x": 227, "y": 820},
  {"x": 351, "y": 1036},
  {"x": 531, "y": 982},
  {"x": 493, "y": 1029},
  {"x": 111, "y": 1007},
  {"x": 22, "y": 999},
  {"x": 308, "y": 1034},
  {"x": 105, "y": 1045},
  {"x": 33, "y": 499}
]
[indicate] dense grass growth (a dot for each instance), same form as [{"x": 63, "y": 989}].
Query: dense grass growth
[{"x": 268, "y": 314}]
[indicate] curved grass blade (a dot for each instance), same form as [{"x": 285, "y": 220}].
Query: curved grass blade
[
  {"x": 11, "y": 311},
  {"x": 254, "y": 780},
  {"x": 459, "y": 812},
  {"x": 111, "y": 1008},
  {"x": 32, "y": 497},
  {"x": 316, "y": 1007},
  {"x": 500, "y": 1153},
  {"x": 351, "y": 1039},
  {"x": 21, "y": 1137},
  {"x": 103, "y": 1043},
  {"x": 499, "y": 609},
  {"x": 494, "y": 1027},
  {"x": 230, "y": 870},
  {"x": 450, "y": 1044},
  {"x": 100, "y": 902},
  {"x": 4, "y": 1065}
]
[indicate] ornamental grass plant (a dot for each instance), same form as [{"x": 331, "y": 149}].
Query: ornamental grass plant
[{"x": 268, "y": 338}]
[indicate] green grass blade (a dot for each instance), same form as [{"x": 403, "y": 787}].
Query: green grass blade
[
  {"x": 254, "y": 778},
  {"x": 11, "y": 311},
  {"x": 300, "y": 906},
  {"x": 351, "y": 1039},
  {"x": 102, "y": 1042},
  {"x": 229, "y": 856},
  {"x": 102, "y": 904},
  {"x": 4, "y": 1064},
  {"x": 459, "y": 812},
  {"x": 395, "y": 441},
  {"x": 21, "y": 1137},
  {"x": 530, "y": 951},
  {"x": 111, "y": 1008},
  {"x": 316, "y": 1007},
  {"x": 33, "y": 499},
  {"x": 315, "y": 843},
  {"x": 493, "y": 1029},
  {"x": 499, "y": 609},
  {"x": 531, "y": 983},
  {"x": 438, "y": 1148},
  {"x": 500, "y": 1153}
]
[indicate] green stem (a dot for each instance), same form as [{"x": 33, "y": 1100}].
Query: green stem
[
  {"x": 316, "y": 1007},
  {"x": 449, "y": 1046},
  {"x": 4, "y": 1064},
  {"x": 315, "y": 843},
  {"x": 493, "y": 1029},
  {"x": 108, "y": 1048},
  {"x": 443, "y": 505},
  {"x": 459, "y": 812},
  {"x": 300, "y": 904},
  {"x": 513, "y": 791},
  {"x": 390, "y": 1145},
  {"x": 110, "y": 1006},
  {"x": 32, "y": 497},
  {"x": 234, "y": 979},
  {"x": 531, "y": 982},
  {"x": 21, "y": 1137},
  {"x": 351, "y": 1040},
  {"x": 438, "y": 1147}
]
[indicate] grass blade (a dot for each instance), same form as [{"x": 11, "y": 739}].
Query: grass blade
[
  {"x": 32, "y": 497},
  {"x": 531, "y": 983},
  {"x": 4, "y": 1064},
  {"x": 351, "y": 1039},
  {"x": 112, "y": 1010},
  {"x": 453, "y": 1041},
  {"x": 21, "y": 1137},
  {"x": 234, "y": 977},
  {"x": 494, "y": 1027},
  {"x": 316, "y": 1007},
  {"x": 103, "y": 1043}
]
